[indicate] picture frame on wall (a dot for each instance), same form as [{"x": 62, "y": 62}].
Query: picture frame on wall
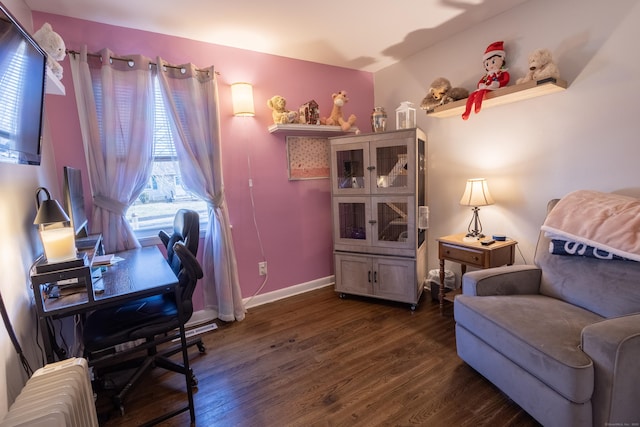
[{"x": 307, "y": 157}]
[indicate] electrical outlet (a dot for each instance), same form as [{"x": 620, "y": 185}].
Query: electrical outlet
[{"x": 262, "y": 268}]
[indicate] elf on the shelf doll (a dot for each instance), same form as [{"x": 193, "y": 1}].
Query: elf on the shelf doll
[{"x": 496, "y": 77}]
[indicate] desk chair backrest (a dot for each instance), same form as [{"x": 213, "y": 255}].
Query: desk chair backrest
[
  {"x": 186, "y": 229},
  {"x": 188, "y": 276}
]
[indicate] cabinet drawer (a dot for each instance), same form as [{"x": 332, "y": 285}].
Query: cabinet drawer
[{"x": 462, "y": 255}]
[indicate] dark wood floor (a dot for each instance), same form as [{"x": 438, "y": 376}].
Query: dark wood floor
[{"x": 318, "y": 360}]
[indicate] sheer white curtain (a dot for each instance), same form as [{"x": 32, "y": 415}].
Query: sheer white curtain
[
  {"x": 116, "y": 110},
  {"x": 191, "y": 99}
]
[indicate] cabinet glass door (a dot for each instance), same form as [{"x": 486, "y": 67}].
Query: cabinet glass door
[
  {"x": 352, "y": 221},
  {"x": 394, "y": 163},
  {"x": 394, "y": 221},
  {"x": 350, "y": 168}
]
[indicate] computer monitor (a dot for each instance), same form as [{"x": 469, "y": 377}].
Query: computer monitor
[{"x": 74, "y": 201}]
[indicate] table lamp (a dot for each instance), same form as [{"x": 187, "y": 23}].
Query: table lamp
[
  {"x": 476, "y": 193},
  {"x": 54, "y": 226}
]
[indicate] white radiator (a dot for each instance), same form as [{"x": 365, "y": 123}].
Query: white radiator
[{"x": 59, "y": 394}]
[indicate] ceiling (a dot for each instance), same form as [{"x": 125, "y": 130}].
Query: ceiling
[{"x": 358, "y": 34}]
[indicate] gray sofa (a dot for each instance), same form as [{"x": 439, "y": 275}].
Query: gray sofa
[{"x": 561, "y": 338}]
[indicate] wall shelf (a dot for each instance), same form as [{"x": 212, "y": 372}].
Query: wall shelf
[
  {"x": 52, "y": 85},
  {"x": 504, "y": 95},
  {"x": 309, "y": 130}
]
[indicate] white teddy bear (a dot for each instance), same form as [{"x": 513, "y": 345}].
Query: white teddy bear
[
  {"x": 541, "y": 66},
  {"x": 53, "y": 45}
]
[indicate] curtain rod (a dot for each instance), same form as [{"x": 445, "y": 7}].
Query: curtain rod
[{"x": 117, "y": 58}]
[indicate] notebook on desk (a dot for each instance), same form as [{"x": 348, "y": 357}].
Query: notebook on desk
[{"x": 103, "y": 260}]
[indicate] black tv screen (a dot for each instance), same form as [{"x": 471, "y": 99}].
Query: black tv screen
[{"x": 22, "y": 80}]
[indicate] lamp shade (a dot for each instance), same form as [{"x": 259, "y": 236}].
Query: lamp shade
[
  {"x": 58, "y": 238},
  {"x": 49, "y": 210},
  {"x": 476, "y": 193},
  {"x": 242, "y": 98}
]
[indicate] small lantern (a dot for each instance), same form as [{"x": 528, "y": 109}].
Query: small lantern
[
  {"x": 405, "y": 115},
  {"x": 56, "y": 233}
]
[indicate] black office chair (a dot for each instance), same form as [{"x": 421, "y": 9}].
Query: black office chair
[
  {"x": 152, "y": 319},
  {"x": 186, "y": 229}
]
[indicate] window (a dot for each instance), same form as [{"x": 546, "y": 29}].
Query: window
[{"x": 164, "y": 194}]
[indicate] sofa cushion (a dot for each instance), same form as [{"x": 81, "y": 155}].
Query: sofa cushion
[
  {"x": 607, "y": 287},
  {"x": 610, "y": 288},
  {"x": 538, "y": 333}
]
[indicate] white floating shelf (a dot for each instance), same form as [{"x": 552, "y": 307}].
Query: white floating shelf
[
  {"x": 504, "y": 95},
  {"x": 52, "y": 85},
  {"x": 309, "y": 130}
]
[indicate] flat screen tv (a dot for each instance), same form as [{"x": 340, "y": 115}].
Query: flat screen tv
[
  {"x": 22, "y": 80},
  {"x": 74, "y": 201}
]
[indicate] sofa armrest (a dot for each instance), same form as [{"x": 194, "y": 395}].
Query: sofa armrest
[
  {"x": 614, "y": 347},
  {"x": 509, "y": 280}
]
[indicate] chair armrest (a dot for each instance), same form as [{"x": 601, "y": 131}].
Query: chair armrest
[
  {"x": 614, "y": 347},
  {"x": 164, "y": 237},
  {"x": 509, "y": 280}
]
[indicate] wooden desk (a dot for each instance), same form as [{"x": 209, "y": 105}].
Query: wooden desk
[
  {"x": 143, "y": 272},
  {"x": 455, "y": 248}
]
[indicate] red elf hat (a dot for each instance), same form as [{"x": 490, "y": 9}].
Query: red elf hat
[{"x": 494, "y": 49}]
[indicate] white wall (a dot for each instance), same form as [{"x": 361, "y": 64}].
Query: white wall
[
  {"x": 531, "y": 151},
  {"x": 19, "y": 249}
]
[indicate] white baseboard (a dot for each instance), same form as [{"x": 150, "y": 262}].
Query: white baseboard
[
  {"x": 288, "y": 292},
  {"x": 204, "y": 316}
]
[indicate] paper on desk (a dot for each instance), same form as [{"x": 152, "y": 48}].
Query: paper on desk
[{"x": 103, "y": 259}]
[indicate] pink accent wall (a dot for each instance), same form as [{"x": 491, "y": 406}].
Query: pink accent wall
[{"x": 293, "y": 217}]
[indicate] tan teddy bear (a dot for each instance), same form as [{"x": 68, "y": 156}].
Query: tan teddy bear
[
  {"x": 541, "y": 66},
  {"x": 279, "y": 111},
  {"x": 441, "y": 93},
  {"x": 52, "y": 43}
]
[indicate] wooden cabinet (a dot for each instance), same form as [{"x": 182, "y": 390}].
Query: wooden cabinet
[{"x": 378, "y": 183}]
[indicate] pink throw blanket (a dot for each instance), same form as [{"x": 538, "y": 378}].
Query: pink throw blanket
[{"x": 606, "y": 221}]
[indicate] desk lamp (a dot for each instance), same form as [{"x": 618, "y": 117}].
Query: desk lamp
[
  {"x": 476, "y": 193},
  {"x": 56, "y": 233}
]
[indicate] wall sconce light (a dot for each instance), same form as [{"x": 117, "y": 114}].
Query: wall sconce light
[
  {"x": 476, "y": 193},
  {"x": 242, "y": 98},
  {"x": 54, "y": 226}
]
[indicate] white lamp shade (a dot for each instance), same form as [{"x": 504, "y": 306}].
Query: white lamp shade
[
  {"x": 59, "y": 244},
  {"x": 242, "y": 98},
  {"x": 476, "y": 193}
]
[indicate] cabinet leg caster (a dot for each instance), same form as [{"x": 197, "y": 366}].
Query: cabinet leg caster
[
  {"x": 342, "y": 295},
  {"x": 413, "y": 307}
]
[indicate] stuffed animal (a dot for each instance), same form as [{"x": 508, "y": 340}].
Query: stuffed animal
[
  {"x": 336, "y": 119},
  {"x": 496, "y": 77},
  {"x": 541, "y": 66},
  {"x": 441, "y": 93},
  {"x": 279, "y": 111},
  {"x": 53, "y": 45}
]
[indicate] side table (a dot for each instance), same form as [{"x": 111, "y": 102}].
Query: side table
[{"x": 455, "y": 248}]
